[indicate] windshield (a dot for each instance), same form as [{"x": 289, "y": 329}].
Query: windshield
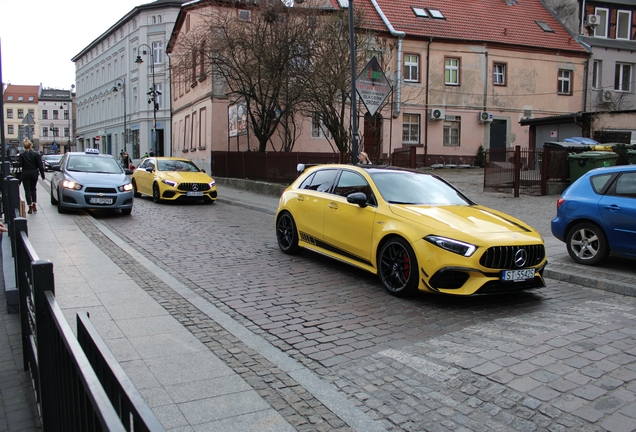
[
  {"x": 52, "y": 157},
  {"x": 176, "y": 165},
  {"x": 93, "y": 164},
  {"x": 413, "y": 188}
]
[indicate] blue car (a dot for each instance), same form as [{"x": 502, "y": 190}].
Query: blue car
[{"x": 596, "y": 215}]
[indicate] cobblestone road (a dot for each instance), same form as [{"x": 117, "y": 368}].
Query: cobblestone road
[{"x": 561, "y": 358}]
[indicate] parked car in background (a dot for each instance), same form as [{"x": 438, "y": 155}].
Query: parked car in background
[
  {"x": 51, "y": 160},
  {"x": 173, "y": 179},
  {"x": 413, "y": 229},
  {"x": 91, "y": 180},
  {"x": 596, "y": 215}
]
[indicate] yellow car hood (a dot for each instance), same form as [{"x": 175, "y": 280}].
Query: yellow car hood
[
  {"x": 186, "y": 177},
  {"x": 475, "y": 221}
]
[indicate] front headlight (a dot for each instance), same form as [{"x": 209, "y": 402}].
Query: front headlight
[
  {"x": 70, "y": 184},
  {"x": 171, "y": 183},
  {"x": 212, "y": 183},
  {"x": 456, "y": 246},
  {"x": 125, "y": 188}
]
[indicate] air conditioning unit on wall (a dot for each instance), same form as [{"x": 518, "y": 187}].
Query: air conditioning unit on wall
[
  {"x": 607, "y": 96},
  {"x": 485, "y": 117},
  {"x": 592, "y": 20},
  {"x": 437, "y": 114}
]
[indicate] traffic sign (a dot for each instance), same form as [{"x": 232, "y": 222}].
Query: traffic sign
[{"x": 372, "y": 86}]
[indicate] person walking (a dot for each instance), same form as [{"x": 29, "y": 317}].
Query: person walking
[
  {"x": 31, "y": 163},
  {"x": 363, "y": 159},
  {"x": 125, "y": 159}
]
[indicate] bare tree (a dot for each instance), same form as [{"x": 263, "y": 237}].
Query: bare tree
[{"x": 256, "y": 55}]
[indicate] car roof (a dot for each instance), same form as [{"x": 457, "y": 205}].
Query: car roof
[{"x": 611, "y": 169}]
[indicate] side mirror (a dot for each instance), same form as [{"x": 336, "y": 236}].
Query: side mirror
[
  {"x": 358, "y": 198},
  {"x": 150, "y": 169},
  {"x": 128, "y": 171},
  {"x": 300, "y": 168},
  {"x": 56, "y": 168}
]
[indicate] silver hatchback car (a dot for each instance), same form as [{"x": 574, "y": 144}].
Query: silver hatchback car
[{"x": 91, "y": 180}]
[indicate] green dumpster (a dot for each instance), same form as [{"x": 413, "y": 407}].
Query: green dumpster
[
  {"x": 631, "y": 156},
  {"x": 580, "y": 163}
]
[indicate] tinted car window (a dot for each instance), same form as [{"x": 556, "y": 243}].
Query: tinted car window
[
  {"x": 351, "y": 182},
  {"x": 599, "y": 182},
  {"x": 322, "y": 180},
  {"x": 626, "y": 185},
  {"x": 414, "y": 188},
  {"x": 306, "y": 184}
]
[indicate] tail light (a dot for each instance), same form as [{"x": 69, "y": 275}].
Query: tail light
[{"x": 559, "y": 202}]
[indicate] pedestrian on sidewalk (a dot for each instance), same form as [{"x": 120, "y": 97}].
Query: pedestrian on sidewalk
[
  {"x": 125, "y": 159},
  {"x": 31, "y": 163}
]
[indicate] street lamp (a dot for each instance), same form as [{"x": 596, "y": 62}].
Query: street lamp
[
  {"x": 68, "y": 141},
  {"x": 152, "y": 94},
  {"x": 120, "y": 83},
  {"x": 53, "y": 145}
]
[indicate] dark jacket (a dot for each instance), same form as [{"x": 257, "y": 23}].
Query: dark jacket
[{"x": 31, "y": 160}]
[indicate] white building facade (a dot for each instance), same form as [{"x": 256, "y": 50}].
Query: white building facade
[{"x": 123, "y": 84}]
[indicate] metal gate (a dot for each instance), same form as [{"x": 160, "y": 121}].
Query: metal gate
[{"x": 513, "y": 170}]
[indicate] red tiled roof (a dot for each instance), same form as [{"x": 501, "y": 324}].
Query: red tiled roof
[
  {"x": 490, "y": 21},
  {"x": 21, "y": 90}
]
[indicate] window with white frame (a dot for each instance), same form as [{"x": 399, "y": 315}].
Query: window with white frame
[
  {"x": 601, "y": 28},
  {"x": 623, "y": 77},
  {"x": 56, "y": 115},
  {"x": 20, "y": 113},
  {"x": 452, "y": 133},
  {"x": 45, "y": 132},
  {"x": 157, "y": 52},
  {"x": 318, "y": 129},
  {"x": 564, "y": 82},
  {"x": 67, "y": 131},
  {"x": 411, "y": 68},
  {"x": 10, "y": 129},
  {"x": 159, "y": 98},
  {"x": 596, "y": 74},
  {"x": 45, "y": 114},
  {"x": 451, "y": 71},
  {"x": 499, "y": 74},
  {"x": 623, "y": 24},
  {"x": 9, "y": 112},
  {"x": 411, "y": 128}
]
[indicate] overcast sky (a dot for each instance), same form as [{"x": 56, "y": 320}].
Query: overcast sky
[{"x": 39, "y": 37}]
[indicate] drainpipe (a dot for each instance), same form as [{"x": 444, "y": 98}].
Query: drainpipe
[
  {"x": 428, "y": 65},
  {"x": 400, "y": 35}
]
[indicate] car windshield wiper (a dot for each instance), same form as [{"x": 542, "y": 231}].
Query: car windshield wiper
[{"x": 401, "y": 202}]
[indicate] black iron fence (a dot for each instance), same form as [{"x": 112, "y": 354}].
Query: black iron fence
[
  {"x": 78, "y": 384},
  {"x": 514, "y": 170}
]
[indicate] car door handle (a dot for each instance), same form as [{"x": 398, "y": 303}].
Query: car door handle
[
  {"x": 612, "y": 207},
  {"x": 300, "y": 198},
  {"x": 333, "y": 205}
]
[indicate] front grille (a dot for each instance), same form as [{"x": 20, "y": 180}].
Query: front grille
[
  {"x": 503, "y": 257},
  {"x": 193, "y": 187},
  {"x": 101, "y": 190}
]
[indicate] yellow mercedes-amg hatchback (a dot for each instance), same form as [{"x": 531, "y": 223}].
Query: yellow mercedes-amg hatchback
[
  {"x": 413, "y": 229},
  {"x": 173, "y": 179}
]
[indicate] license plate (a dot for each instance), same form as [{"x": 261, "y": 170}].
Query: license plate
[
  {"x": 100, "y": 200},
  {"x": 517, "y": 275},
  {"x": 194, "y": 193}
]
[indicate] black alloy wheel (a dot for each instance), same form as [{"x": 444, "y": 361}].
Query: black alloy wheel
[
  {"x": 286, "y": 234},
  {"x": 397, "y": 267},
  {"x": 136, "y": 193},
  {"x": 156, "y": 193}
]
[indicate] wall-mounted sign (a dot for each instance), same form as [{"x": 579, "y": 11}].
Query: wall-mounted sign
[{"x": 372, "y": 86}]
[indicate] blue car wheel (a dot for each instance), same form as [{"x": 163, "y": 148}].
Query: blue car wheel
[{"x": 587, "y": 244}]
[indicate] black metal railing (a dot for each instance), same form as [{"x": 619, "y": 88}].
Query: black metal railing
[{"x": 77, "y": 382}]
